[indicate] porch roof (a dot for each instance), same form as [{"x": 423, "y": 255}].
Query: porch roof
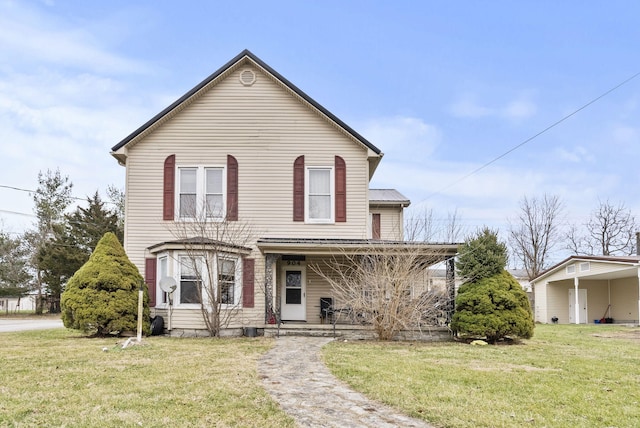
[
  {"x": 330, "y": 246},
  {"x": 612, "y": 267},
  {"x": 198, "y": 243}
]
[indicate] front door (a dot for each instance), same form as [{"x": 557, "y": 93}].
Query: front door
[
  {"x": 582, "y": 306},
  {"x": 293, "y": 305}
]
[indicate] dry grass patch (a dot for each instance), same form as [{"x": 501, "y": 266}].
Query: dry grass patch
[
  {"x": 57, "y": 378},
  {"x": 564, "y": 376}
]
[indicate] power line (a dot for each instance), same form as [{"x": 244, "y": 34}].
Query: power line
[
  {"x": 528, "y": 140},
  {"x": 4, "y": 186}
]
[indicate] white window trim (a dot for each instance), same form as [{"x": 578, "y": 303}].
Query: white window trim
[
  {"x": 159, "y": 292},
  {"x": 237, "y": 291},
  {"x": 571, "y": 268},
  {"x": 178, "y": 270},
  {"x": 200, "y": 192},
  {"x": 237, "y": 287},
  {"x": 332, "y": 189},
  {"x": 585, "y": 266}
]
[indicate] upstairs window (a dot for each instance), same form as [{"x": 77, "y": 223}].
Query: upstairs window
[
  {"x": 320, "y": 195},
  {"x": 201, "y": 192},
  {"x": 214, "y": 192}
]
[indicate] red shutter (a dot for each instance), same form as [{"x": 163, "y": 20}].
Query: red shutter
[
  {"x": 150, "y": 279},
  {"x": 169, "y": 185},
  {"x": 341, "y": 189},
  {"x": 298, "y": 189},
  {"x": 248, "y": 278},
  {"x": 232, "y": 188},
  {"x": 375, "y": 226}
]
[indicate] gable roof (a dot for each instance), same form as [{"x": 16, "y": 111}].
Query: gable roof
[
  {"x": 242, "y": 56},
  {"x": 613, "y": 260}
]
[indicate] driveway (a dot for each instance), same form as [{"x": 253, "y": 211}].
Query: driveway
[{"x": 22, "y": 324}]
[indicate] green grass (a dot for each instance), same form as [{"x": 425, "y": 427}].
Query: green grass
[
  {"x": 58, "y": 378},
  {"x": 566, "y": 376}
]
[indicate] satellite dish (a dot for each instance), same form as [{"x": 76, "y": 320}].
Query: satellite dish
[{"x": 168, "y": 284}]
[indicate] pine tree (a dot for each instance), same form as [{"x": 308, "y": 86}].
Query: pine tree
[
  {"x": 102, "y": 296},
  {"x": 491, "y": 303},
  {"x": 494, "y": 308},
  {"x": 481, "y": 256}
]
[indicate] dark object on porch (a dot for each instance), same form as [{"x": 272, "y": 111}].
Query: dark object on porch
[
  {"x": 326, "y": 309},
  {"x": 554, "y": 320},
  {"x": 157, "y": 325},
  {"x": 250, "y": 331}
]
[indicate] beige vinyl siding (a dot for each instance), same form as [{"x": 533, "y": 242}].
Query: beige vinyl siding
[
  {"x": 391, "y": 223},
  {"x": 624, "y": 300},
  {"x": 265, "y": 128},
  {"x": 541, "y": 302}
]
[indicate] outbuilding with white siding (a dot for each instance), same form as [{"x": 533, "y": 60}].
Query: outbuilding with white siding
[{"x": 589, "y": 289}]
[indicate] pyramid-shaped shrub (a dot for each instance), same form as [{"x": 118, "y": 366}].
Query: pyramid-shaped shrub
[{"x": 101, "y": 298}]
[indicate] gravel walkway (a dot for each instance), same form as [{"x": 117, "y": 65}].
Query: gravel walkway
[{"x": 295, "y": 376}]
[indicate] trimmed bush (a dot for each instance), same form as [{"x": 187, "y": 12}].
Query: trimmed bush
[
  {"x": 102, "y": 296},
  {"x": 494, "y": 307}
]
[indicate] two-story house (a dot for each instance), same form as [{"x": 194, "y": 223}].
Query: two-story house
[{"x": 247, "y": 166}]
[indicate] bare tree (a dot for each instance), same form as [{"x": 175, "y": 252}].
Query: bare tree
[
  {"x": 419, "y": 226},
  {"x": 609, "y": 231},
  {"x": 384, "y": 285},
  {"x": 425, "y": 227},
  {"x": 212, "y": 248},
  {"x": 535, "y": 234}
]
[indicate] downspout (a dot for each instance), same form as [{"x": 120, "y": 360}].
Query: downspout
[{"x": 576, "y": 303}]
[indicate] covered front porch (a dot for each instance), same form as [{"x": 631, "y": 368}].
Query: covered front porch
[{"x": 299, "y": 299}]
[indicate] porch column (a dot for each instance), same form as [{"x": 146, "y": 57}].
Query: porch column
[
  {"x": 269, "y": 269},
  {"x": 576, "y": 307},
  {"x": 451, "y": 287}
]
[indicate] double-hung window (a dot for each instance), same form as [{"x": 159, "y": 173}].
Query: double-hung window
[
  {"x": 163, "y": 263},
  {"x": 320, "y": 197},
  {"x": 191, "y": 275},
  {"x": 227, "y": 280},
  {"x": 202, "y": 192}
]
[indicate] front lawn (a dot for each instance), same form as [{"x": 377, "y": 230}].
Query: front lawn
[
  {"x": 565, "y": 376},
  {"x": 58, "y": 378}
]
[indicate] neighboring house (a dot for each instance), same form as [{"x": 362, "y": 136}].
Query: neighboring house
[
  {"x": 17, "y": 304},
  {"x": 586, "y": 289},
  {"x": 247, "y": 147}
]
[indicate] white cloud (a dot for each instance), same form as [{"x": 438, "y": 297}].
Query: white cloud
[
  {"x": 576, "y": 154},
  {"x": 28, "y": 36},
  {"x": 402, "y": 137},
  {"x": 56, "y": 116},
  {"x": 517, "y": 109}
]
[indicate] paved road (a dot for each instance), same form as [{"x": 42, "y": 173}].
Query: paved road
[
  {"x": 293, "y": 373},
  {"x": 20, "y": 324}
]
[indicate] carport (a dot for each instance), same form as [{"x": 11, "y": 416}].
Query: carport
[{"x": 587, "y": 289}]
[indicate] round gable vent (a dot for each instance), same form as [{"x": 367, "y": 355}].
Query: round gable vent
[{"x": 247, "y": 77}]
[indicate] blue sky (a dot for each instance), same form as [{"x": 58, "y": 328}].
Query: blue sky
[{"x": 441, "y": 87}]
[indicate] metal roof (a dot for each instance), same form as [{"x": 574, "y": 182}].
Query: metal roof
[{"x": 387, "y": 197}]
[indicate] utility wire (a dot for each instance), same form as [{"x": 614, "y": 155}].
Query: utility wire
[
  {"x": 4, "y": 186},
  {"x": 528, "y": 140}
]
